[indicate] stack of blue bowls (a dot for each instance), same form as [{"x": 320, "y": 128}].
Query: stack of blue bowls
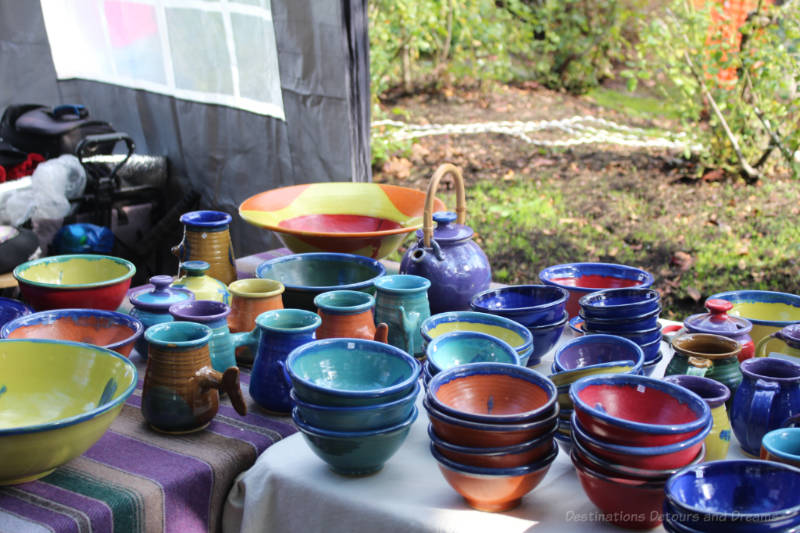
[
  {"x": 631, "y": 313},
  {"x": 540, "y": 308}
]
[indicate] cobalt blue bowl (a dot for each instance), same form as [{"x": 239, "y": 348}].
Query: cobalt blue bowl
[
  {"x": 530, "y": 305},
  {"x": 462, "y": 347},
  {"x": 649, "y": 367},
  {"x": 595, "y": 351},
  {"x": 350, "y": 372},
  {"x": 356, "y": 417},
  {"x": 639, "y": 337},
  {"x": 354, "y": 453},
  {"x": 11, "y": 309},
  {"x": 736, "y": 496},
  {"x": 629, "y": 324},
  {"x": 544, "y": 338},
  {"x": 619, "y": 303},
  {"x": 652, "y": 351}
]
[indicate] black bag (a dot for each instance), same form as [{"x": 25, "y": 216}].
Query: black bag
[{"x": 51, "y": 132}]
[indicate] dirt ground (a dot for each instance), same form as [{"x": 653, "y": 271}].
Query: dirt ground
[{"x": 586, "y": 175}]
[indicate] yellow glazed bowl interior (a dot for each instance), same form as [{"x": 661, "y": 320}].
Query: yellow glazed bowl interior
[
  {"x": 57, "y": 398},
  {"x": 75, "y": 270},
  {"x": 511, "y": 337},
  {"x": 768, "y": 311}
]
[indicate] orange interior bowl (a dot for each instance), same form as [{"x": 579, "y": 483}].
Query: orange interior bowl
[{"x": 356, "y": 218}]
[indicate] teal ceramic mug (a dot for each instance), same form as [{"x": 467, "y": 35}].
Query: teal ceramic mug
[{"x": 401, "y": 302}]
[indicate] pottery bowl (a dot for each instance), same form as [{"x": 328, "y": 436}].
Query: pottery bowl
[
  {"x": 530, "y": 305},
  {"x": 11, "y": 309},
  {"x": 304, "y": 276},
  {"x": 598, "y": 351},
  {"x": 619, "y": 303},
  {"x": 544, "y": 338},
  {"x": 83, "y": 281},
  {"x": 462, "y": 347},
  {"x": 351, "y": 372},
  {"x": 494, "y": 393},
  {"x": 640, "y": 337},
  {"x": 109, "y": 329},
  {"x": 584, "y": 278},
  {"x": 610, "y": 468},
  {"x": 38, "y": 434},
  {"x": 356, "y": 417},
  {"x": 496, "y": 457},
  {"x": 666, "y": 457},
  {"x": 637, "y": 410},
  {"x": 514, "y": 333},
  {"x": 623, "y": 326},
  {"x": 485, "y": 435},
  {"x": 649, "y": 367},
  {"x": 494, "y": 489},
  {"x": 355, "y": 453},
  {"x": 356, "y": 218},
  {"x": 768, "y": 311},
  {"x": 737, "y": 495},
  {"x": 627, "y": 502},
  {"x": 782, "y": 446}
]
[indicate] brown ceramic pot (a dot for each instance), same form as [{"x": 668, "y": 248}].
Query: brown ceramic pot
[
  {"x": 181, "y": 390},
  {"x": 349, "y": 314}
]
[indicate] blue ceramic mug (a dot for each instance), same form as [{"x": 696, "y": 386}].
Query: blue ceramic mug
[{"x": 767, "y": 399}]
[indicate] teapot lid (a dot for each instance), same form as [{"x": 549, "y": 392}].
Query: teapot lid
[
  {"x": 195, "y": 268},
  {"x": 717, "y": 320},
  {"x": 157, "y": 296},
  {"x": 446, "y": 230}
]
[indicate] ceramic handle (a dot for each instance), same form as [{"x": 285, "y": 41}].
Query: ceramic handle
[
  {"x": 461, "y": 202},
  {"x": 227, "y": 382},
  {"x": 382, "y": 333},
  {"x": 177, "y": 250},
  {"x": 792, "y": 422},
  {"x": 698, "y": 366},
  {"x": 759, "y": 413},
  {"x": 247, "y": 340},
  {"x": 761, "y": 348}
]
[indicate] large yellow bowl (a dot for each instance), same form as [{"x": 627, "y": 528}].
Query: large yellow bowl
[
  {"x": 768, "y": 311},
  {"x": 57, "y": 398},
  {"x": 355, "y": 218}
]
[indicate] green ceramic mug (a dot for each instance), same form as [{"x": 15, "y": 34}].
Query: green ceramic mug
[{"x": 707, "y": 355}]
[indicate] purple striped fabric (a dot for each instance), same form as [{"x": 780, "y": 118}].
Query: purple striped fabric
[
  {"x": 47, "y": 517},
  {"x": 98, "y": 512}
]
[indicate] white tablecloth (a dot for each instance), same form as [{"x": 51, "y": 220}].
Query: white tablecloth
[{"x": 290, "y": 490}]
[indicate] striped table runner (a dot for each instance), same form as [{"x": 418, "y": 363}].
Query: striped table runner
[{"x": 135, "y": 479}]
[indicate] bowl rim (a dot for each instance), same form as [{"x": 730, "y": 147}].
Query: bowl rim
[
  {"x": 492, "y": 473},
  {"x": 560, "y": 323},
  {"x": 650, "y": 296},
  {"x": 639, "y": 451},
  {"x": 473, "y": 425},
  {"x": 454, "y": 335},
  {"x": 438, "y": 206},
  {"x": 19, "y": 271},
  {"x": 584, "y": 469},
  {"x": 33, "y": 319},
  {"x": 560, "y": 300},
  {"x": 334, "y": 256},
  {"x": 681, "y": 394},
  {"x": 598, "y": 337},
  {"x": 498, "y": 450},
  {"x": 605, "y": 321},
  {"x": 768, "y": 443},
  {"x": 307, "y": 428},
  {"x": 649, "y": 279},
  {"x": 448, "y": 317},
  {"x": 301, "y": 350},
  {"x": 93, "y": 413},
  {"x": 20, "y": 307},
  {"x": 194, "y": 218},
  {"x": 741, "y": 296},
  {"x": 728, "y": 464},
  {"x": 354, "y": 408},
  {"x": 514, "y": 371}
]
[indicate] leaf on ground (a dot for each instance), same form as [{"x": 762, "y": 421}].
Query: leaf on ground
[
  {"x": 694, "y": 294},
  {"x": 418, "y": 153},
  {"x": 400, "y": 167},
  {"x": 714, "y": 175},
  {"x": 509, "y": 175},
  {"x": 682, "y": 260},
  {"x": 542, "y": 162}
]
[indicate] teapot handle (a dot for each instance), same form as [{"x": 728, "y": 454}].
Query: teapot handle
[{"x": 461, "y": 202}]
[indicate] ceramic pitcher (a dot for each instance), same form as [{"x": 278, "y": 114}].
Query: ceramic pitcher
[
  {"x": 446, "y": 255},
  {"x": 349, "y": 314},
  {"x": 402, "y": 302},
  {"x": 715, "y": 394},
  {"x": 790, "y": 336},
  {"x": 181, "y": 391},
  {"x": 214, "y": 315},
  {"x": 768, "y": 398},
  {"x": 203, "y": 286},
  {"x": 277, "y": 333},
  {"x": 707, "y": 355},
  {"x": 206, "y": 237}
]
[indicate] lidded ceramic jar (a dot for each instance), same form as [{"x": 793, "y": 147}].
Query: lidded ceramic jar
[
  {"x": 447, "y": 256},
  {"x": 151, "y": 304},
  {"x": 201, "y": 284},
  {"x": 718, "y": 322}
]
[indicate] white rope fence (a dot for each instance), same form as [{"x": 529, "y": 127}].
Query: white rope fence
[{"x": 584, "y": 129}]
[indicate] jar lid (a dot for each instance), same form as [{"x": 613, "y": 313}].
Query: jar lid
[
  {"x": 195, "y": 268},
  {"x": 717, "y": 320},
  {"x": 446, "y": 230},
  {"x": 157, "y": 296}
]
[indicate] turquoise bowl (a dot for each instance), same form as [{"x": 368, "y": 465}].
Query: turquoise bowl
[
  {"x": 351, "y": 372},
  {"x": 514, "y": 333},
  {"x": 355, "y": 453},
  {"x": 356, "y": 417},
  {"x": 462, "y": 347}
]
